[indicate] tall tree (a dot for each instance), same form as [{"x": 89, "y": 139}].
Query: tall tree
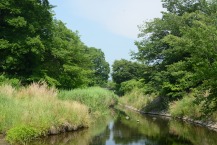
[
  {"x": 180, "y": 49},
  {"x": 124, "y": 70},
  {"x": 67, "y": 64},
  {"x": 99, "y": 66},
  {"x": 25, "y": 29},
  {"x": 199, "y": 40}
]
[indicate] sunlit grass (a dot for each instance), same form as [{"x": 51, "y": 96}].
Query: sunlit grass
[
  {"x": 136, "y": 99},
  {"x": 186, "y": 107},
  {"x": 35, "y": 109},
  {"x": 97, "y": 99}
]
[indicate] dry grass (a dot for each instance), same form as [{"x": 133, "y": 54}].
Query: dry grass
[
  {"x": 37, "y": 90},
  {"x": 7, "y": 90}
]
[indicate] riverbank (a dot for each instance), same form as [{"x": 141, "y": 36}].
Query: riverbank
[
  {"x": 209, "y": 124},
  {"x": 37, "y": 110},
  {"x": 186, "y": 108}
]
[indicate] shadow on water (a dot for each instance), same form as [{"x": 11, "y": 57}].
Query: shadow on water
[{"x": 137, "y": 130}]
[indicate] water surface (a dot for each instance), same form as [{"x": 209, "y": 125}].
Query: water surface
[{"x": 138, "y": 130}]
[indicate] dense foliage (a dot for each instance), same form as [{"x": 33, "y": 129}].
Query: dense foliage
[
  {"x": 179, "y": 51},
  {"x": 124, "y": 70},
  {"x": 25, "y": 28},
  {"x": 100, "y": 66},
  {"x": 35, "y": 47}
]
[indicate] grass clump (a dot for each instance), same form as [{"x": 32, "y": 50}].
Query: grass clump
[
  {"x": 97, "y": 99},
  {"x": 31, "y": 111},
  {"x": 136, "y": 98},
  {"x": 186, "y": 107},
  {"x": 22, "y": 134}
]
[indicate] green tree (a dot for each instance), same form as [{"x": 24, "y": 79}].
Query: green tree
[
  {"x": 180, "y": 50},
  {"x": 25, "y": 29},
  {"x": 99, "y": 66},
  {"x": 124, "y": 70},
  {"x": 34, "y": 47},
  {"x": 67, "y": 65},
  {"x": 200, "y": 41}
]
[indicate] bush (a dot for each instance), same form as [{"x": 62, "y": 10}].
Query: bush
[
  {"x": 128, "y": 86},
  {"x": 22, "y": 134},
  {"x": 110, "y": 85},
  {"x": 13, "y": 82}
]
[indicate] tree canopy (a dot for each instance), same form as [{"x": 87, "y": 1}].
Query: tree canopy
[
  {"x": 125, "y": 70},
  {"x": 178, "y": 52},
  {"x": 25, "y": 28},
  {"x": 180, "y": 49},
  {"x": 35, "y": 47},
  {"x": 100, "y": 66}
]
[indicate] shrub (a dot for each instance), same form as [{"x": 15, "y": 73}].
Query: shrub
[
  {"x": 128, "y": 86},
  {"x": 22, "y": 134},
  {"x": 13, "y": 82}
]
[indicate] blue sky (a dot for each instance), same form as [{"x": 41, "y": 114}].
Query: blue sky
[{"x": 110, "y": 25}]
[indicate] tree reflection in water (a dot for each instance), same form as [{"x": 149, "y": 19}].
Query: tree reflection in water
[{"x": 148, "y": 131}]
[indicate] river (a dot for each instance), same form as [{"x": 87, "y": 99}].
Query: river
[{"x": 137, "y": 130}]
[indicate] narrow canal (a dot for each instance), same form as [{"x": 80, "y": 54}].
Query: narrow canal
[{"x": 137, "y": 130}]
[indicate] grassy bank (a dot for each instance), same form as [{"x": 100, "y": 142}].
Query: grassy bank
[
  {"x": 137, "y": 99},
  {"x": 97, "y": 99},
  {"x": 186, "y": 107},
  {"x": 30, "y": 112}
]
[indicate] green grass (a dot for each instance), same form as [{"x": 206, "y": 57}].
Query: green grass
[
  {"x": 22, "y": 134},
  {"x": 186, "y": 107},
  {"x": 30, "y": 112},
  {"x": 97, "y": 99},
  {"x": 136, "y": 99}
]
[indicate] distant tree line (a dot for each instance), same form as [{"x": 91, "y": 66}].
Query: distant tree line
[{"x": 34, "y": 47}]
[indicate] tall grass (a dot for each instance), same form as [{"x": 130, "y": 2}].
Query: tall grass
[
  {"x": 97, "y": 99},
  {"x": 137, "y": 99},
  {"x": 30, "y": 112},
  {"x": 186, "y": 107}
]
